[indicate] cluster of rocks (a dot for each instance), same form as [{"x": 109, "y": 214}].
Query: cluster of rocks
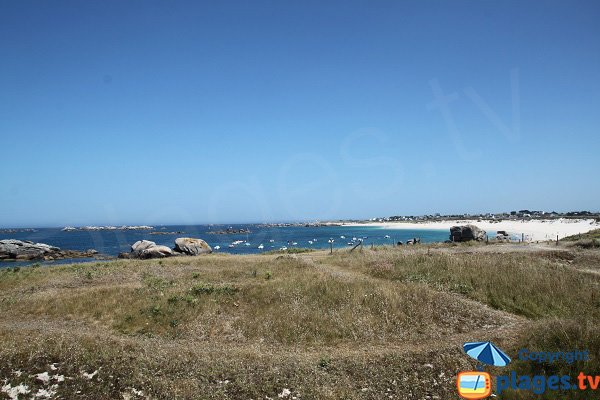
[
  {"x": 23, "y": 250},
  {"x": 465, "y": 233},
  {"x": 409, "y": 242},
  {"x": 299, "y": 224},
  {"x": 143, "y": 249},
  {"x": 108, "y": 228},
  {"x": 25, "y": 230}
]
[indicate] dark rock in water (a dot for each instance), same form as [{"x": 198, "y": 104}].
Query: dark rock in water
[
  {"x": 191, "y": 246},
  {"x": 12, "y": 249},
  {"x": 465, "y": 233}
]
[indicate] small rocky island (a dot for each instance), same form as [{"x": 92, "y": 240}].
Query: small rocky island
[
  {"x": 229, "y": 231},
  {"x": 108, "y": 228},
  {"x": 143, "y": 249},
  {"x": 25, "y": 250}
]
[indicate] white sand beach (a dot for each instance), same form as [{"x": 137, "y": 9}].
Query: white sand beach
[{"x": 534, "y": 230}]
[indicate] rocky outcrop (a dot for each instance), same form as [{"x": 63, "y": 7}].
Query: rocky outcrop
[
  {"x": 143, "y": 249},
  {"x": 465, "y": 233},
  {"x": 191, "y": 246},
  {"x": 156, "y": 252},
  {"x": 142, "y": 245},
  {"x": 12, "y": 249}
]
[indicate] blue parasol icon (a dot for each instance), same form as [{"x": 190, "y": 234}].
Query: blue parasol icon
[{"x": 487, "y": 353}]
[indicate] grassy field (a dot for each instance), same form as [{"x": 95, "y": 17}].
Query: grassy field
[{"x": 383, "y": 323}]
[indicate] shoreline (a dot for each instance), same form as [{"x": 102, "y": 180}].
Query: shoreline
[{"x": 533, "y": 230}]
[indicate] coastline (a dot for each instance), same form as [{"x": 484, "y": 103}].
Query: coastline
[{"x": 533, "y": 230}]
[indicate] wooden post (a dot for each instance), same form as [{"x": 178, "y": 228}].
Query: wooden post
[
  {"x": 557, "y": 240},
  {"x": 330, "y": 247},
  {"x": 522, "y": 237}
]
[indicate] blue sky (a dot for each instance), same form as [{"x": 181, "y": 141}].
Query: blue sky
[{"x": 206, "y": 112}]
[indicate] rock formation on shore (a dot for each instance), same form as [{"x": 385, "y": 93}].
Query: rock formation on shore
[
  {"x": 465, "y": 233},
  {"x": 191, "y": 246},
  {"x": 23, "y": 250},
  {"x": 143, "y": 249}
]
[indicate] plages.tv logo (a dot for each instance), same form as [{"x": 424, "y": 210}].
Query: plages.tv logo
[{"x": 474, "y": 385}]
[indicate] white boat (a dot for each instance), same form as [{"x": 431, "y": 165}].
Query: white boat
[
  {"x": 387, "y": 236},
  {"x": 310, "y": 242},
  {"x": 231, "y": 245},
  {"x": 283, "y": 248},
  {"x": 217, "y": 247},
  {"x": 260, "y": 246},
  {"x": 271, "y": 241},
  {"x": 294, "y": 243},
  {"x": 246, "y": 244},
  {"x": 342, "y": 237}
]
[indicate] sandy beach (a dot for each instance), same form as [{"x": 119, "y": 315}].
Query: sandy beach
[{"x": 534, "y": 230}]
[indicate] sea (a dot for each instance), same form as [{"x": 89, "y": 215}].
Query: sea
[{"x": 109, "y": 243}]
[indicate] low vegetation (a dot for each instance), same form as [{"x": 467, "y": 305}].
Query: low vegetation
[
  {"x": 370, "y": 324},
  {"x": 588, "y": 240}
]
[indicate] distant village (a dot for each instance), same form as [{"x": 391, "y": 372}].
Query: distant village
[{"x": 521, "y": 215}]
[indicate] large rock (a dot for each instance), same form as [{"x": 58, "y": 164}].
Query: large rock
[
  {"x": 465, "y": 233},
  {"x": 156, "y": 252},
  {"x": 191, "y": 246},
  {"x": 142, "y": 245},
  {"x": 183, "y": 246},
  {"x": 147, "y": 249}
]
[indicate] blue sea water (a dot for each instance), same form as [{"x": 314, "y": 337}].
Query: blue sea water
[{"x": 113, "y": 242}]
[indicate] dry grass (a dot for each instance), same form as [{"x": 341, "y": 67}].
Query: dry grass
[{"x": 383, "y": 323}]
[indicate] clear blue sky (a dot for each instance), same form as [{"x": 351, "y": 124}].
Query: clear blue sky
[{"x": 205, "y": 112}]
